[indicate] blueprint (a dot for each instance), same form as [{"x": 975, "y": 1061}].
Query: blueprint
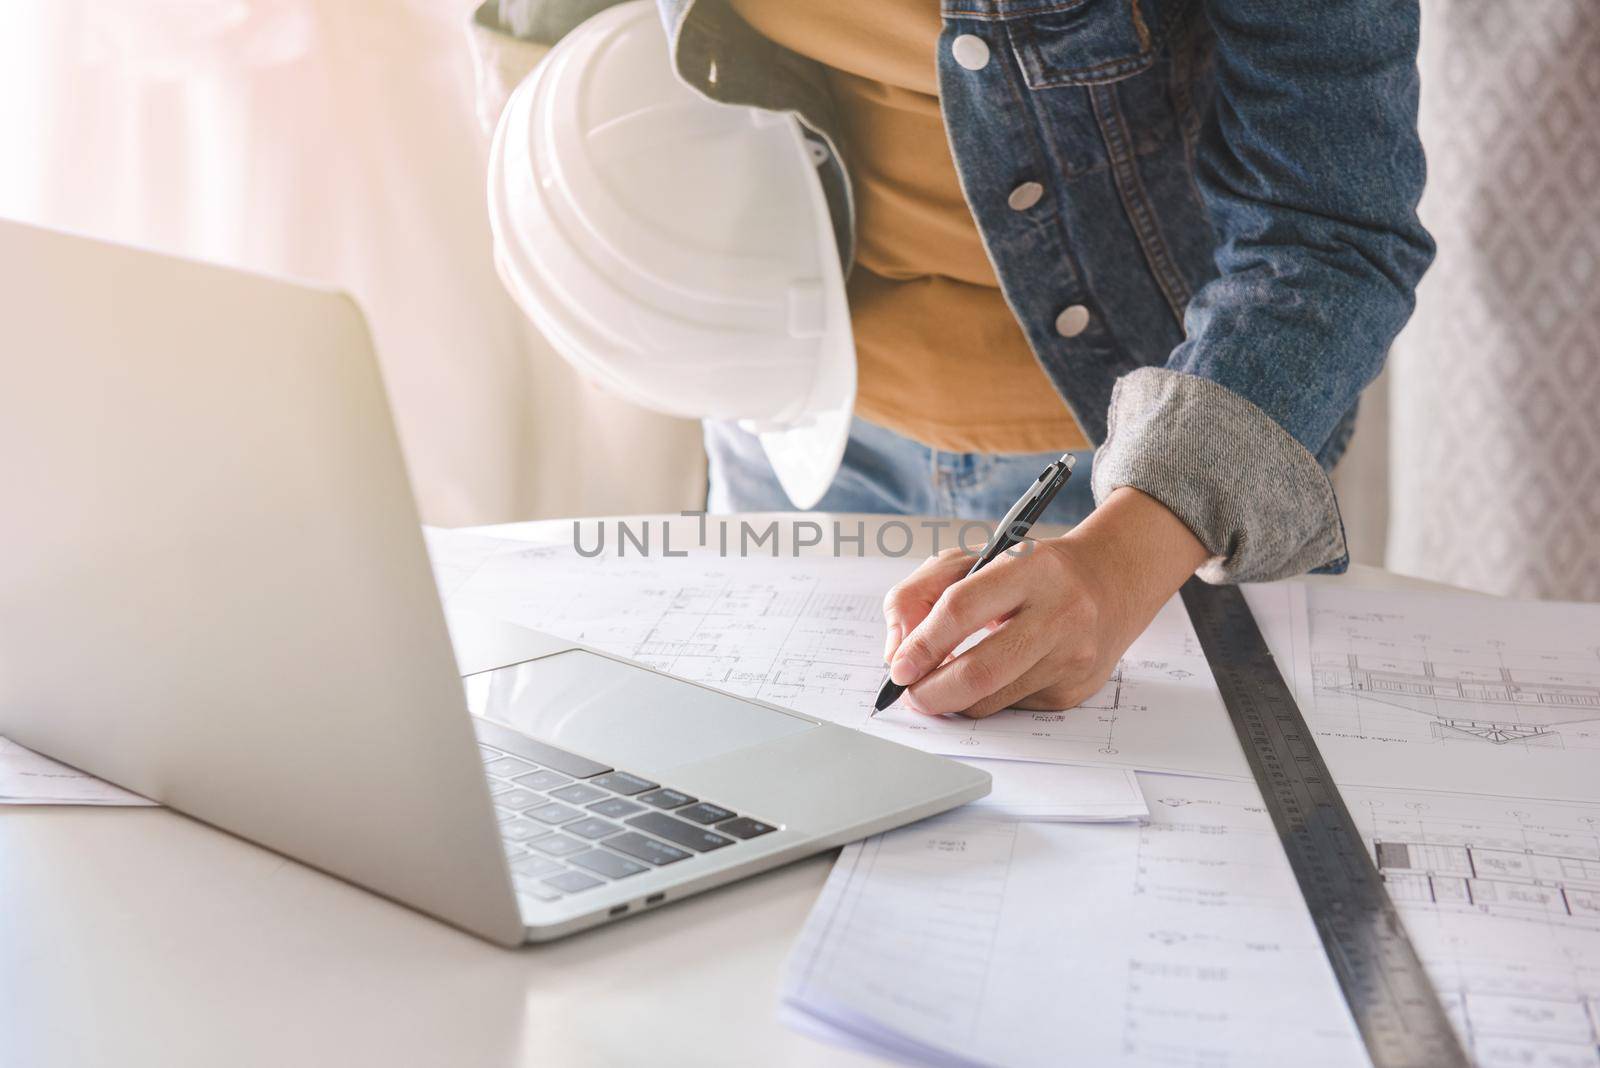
[
  {"x": 1452, "y": 692},
  {"x": 807, "y": 634},
  {"x": 1160, "y": 711},
  {"x": 1501, "y": 897},
  {"x": 1186, "y": 941},
  {"x": 1181, "y": 942}
]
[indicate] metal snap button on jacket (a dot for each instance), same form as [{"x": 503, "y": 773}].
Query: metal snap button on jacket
[
  {"x": 1072, "y": 321},
  {"x": 971, "y": 52},
  {"x": 1025, "y": 196}
]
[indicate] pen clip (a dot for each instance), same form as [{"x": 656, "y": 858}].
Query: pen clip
[{"x": 1026, "y": 502}]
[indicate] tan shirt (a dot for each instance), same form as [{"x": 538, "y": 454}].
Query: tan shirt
[{"x": 942, "y": 359}]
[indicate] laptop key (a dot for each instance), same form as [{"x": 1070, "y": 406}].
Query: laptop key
[
  {"x": 666, "y": 797},
  {"x": 646, "y": 849},
  {"x": 615, "y": 807},
  {"x": 745, "y": 827},
  {"x": 531, "y": 867},
  {"x": 704, "y": 812},
  {"x": 570, "y": 882},
  {"x": 541, "y": 780},
  {"x": 520, "y": 830},
  {"x": 517, "y": 800},
  {"x": 620, "y": 782},
  {"x": 507, "y": 766},
  {"x": 591, "y": 828},
  {"x": 678, "y": 832},
  {"x": 608, "y": 864},
  {"x": 559, "y": 845},
  {"x": 578, "y": 794},
  {"x": 553, "y": 813}
]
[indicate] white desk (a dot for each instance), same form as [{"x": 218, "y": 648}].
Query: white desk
[{"x": 139, "y": 937}]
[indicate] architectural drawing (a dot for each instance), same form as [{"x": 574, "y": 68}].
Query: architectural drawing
[
  {"x": 1201, "y": 949},
  {"x": 1450, "y": 692},
  {"x": 1501, "y": 897},
  {"x": 807, "y": 634},
  {"x": 1159, "y": 711},
  {"x": 1496, "y": 705},
  {"x": 1181, "y": 942}
]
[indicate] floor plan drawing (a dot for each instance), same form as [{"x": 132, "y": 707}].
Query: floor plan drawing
[
  {"x": 1164, "y": 669},
  {"x": 807, "y": 634},
  {"x": 1501, "y": 897},
  {"x": 1180, "y": 942},
  {"x": 1160, "y": 711},
  {"x": 1448, "y": 691}
]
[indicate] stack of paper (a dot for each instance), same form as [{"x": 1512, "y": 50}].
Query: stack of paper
[{"x": 1464, "y": 732}]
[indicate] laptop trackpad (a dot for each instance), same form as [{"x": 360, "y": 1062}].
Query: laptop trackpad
[{"x": 620, "y": 713}]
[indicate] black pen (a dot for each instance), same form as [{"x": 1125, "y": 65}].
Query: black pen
[{"x": 1011, "y": 530}]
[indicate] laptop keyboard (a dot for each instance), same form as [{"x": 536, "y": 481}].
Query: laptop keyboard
[{"x": 570, "y": 824}]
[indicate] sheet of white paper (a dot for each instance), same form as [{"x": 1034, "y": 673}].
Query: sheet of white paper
[
  {"x": 807, "y": 633},
  {"x": 968, "y": 939},
  {"x": 1452, "y": 692},
  {"x": 456, "y": 555},
  {"x": 26, "y": 778},
  {"x": 1077, "y": 793}
]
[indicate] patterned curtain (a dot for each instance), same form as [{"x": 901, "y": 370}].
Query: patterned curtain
[{"x": 1494, "y": 400}]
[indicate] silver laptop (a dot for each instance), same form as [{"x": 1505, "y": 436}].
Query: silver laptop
[{"x": 214, "y": 592}]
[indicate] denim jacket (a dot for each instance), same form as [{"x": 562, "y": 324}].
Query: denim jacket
[{"x": 1229, "y": 191}]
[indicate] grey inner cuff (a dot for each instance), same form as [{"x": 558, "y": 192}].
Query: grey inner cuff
[{"x": 1253, "y": 495}]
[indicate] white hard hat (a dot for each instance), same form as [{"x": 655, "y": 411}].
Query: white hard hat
[{"x": 677, "y": 250}]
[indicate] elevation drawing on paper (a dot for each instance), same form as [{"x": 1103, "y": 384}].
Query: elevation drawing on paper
[{"x": 1452, "y": 692}]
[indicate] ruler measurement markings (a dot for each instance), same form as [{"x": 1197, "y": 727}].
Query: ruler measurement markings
[{"x": 1384, "y": 983}]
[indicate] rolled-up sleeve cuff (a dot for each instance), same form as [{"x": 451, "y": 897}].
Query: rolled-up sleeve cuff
[{"x": 1254, "y": 496}]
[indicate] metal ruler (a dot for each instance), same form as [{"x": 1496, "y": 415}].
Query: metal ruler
[{"x": 1389, "y": 993}]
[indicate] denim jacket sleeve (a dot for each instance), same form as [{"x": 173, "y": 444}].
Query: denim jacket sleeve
[{"x": 1310, "y": 168}]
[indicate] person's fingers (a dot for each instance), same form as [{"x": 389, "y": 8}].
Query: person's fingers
[
  {"x": 959, "y": 612},
  {"x": 1064, "y": 693},
  {"x": 1036, "y": 678},
  {"x": 992, "y": 666},
  {"x": 891, "y": 640},
  {"x": 910, "y": 601},
  {"x": 1039, "y": 689}
]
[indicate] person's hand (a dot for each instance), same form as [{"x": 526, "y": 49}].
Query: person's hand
[{"x": 1059, "y": 616}]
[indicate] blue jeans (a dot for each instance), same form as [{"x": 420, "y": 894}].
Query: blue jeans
[{"x": 885, "y": 473}]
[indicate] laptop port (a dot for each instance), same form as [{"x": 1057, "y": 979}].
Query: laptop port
[
  {"x": 655, "y": 899},
  {"x": 618, "y": 910}
]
